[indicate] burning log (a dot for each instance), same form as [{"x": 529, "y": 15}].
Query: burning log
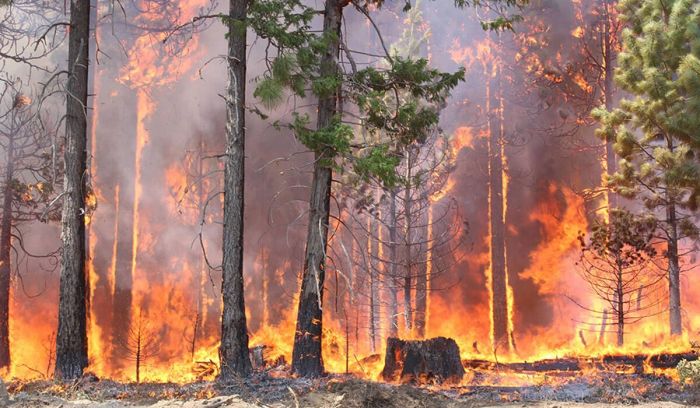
[
  {"x": 654, "y": 361},
  {"x": 425, "y": 361},
  {"x": 205, "y": 369}
]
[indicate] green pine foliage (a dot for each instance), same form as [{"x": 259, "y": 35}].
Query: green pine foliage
[
  {"x": 397, "y": 100},
  {"x": 656, "y": 129}
]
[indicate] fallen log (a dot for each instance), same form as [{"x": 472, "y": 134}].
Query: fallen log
[
  {"x": 423, "y": 361},
  {"x": 666, "y": 360},
  {"x": 637, "y": 362},
  {"x": 564, "y": 364}
]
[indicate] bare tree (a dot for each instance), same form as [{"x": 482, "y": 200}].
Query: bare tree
[
  {"x": 28, "y": 35},
  {"x": 616, "y": 261},
  {"x": 27, "y": 189},
  {"x": 140, "y": 344}
]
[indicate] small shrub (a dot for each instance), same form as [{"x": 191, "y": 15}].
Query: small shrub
[{"x": 689, "y": 370}]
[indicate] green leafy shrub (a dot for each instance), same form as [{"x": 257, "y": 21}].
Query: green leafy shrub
[{"x": 689, "y": 371}]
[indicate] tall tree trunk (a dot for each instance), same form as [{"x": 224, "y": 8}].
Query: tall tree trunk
[
  {"x": 6, "y": 250},
  {"x": 123, "y": 280},
  {"x": 374, "y": 326},
  {"x": 499, "y": 279},
  {"x": 393, "y": 278},
  {"x": 306, "y": 357},
  {"x": 408, "y": 241},
  {"x": 71, "y": 339},
  {"x": 422, "y": 272},
  {"x": 233, "y": 351},
  {"x": 674, "y": 268},
  {"x": 608, "y": 89},
  {"x": 201, "y": 281},
  {"x": 674, "y": 271}
]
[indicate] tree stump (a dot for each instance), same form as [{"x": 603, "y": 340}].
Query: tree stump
[
  {"x": 4, "y": 396},
  {"x": 260, "y": 358},
  {"x": 426, "y": 361},
  {"x": 257, "y": 357}
]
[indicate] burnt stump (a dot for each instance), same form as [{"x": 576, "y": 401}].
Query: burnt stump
[
  {"x": 4, "y": 397},
  {"x": 422, "y": 361}
]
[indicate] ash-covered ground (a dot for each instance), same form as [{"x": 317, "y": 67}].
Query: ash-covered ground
[{"x": 558, "y": 390}]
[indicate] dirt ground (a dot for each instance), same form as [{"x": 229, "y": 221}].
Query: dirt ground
[
  {"x": 315, "y": 400},
  {"x": 328, "y": 393}
]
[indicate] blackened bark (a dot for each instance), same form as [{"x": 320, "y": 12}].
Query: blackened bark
[
  {"x": 71, "y": 339},
  {"x": 234, "y": 354},
  {"x": 306, "y": 357},
  {"x": 499, "y": 279},
  {"x": 424, "y": 361},
  {"x": 5, "y": 251}
]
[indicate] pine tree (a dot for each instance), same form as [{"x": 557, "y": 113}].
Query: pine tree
[
  {"x": 307, "y": 60},
  {"x": 617, "y": 262},
  {"x": 656, "y": 127},
  {"x": 71, "y": 340}
]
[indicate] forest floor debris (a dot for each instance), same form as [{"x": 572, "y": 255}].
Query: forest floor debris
[{"x": 653, "y": 391}]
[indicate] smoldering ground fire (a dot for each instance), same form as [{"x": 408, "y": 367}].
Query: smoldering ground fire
[{"x": 486, "y": 254}]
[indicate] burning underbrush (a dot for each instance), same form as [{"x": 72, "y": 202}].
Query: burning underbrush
[
  {"x": 611, "y": 379},
  {"x": 348, "y": 391}
]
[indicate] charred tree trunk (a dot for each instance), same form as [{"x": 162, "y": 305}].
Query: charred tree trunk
[
  {"x": 393, "y": 279},
  {"x": 6, "y": 250},
  {"x": 306, "y": 357},
  {"x": 71, "y": 340},
  {"x": 499, "y": 290},
  {"x": 233, "y": 351},
  {"x": 425, "y": 361}
]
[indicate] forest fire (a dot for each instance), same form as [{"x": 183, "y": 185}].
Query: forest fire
[{"x": 493, "y": 225}]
